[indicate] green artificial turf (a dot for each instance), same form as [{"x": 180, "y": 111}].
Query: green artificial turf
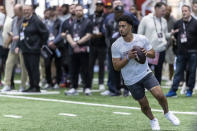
[{"x": 43, "y": 115}]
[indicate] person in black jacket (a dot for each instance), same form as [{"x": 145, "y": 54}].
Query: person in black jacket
[
  {"x": 78, "y": 37},
  {"x": 186, "y": 29},
  {"x": 67, "y": 66},
  {"x": 32, "y": 35},
  {"x": 55, "y": 42},
  {"x": 98, "y": 46}
]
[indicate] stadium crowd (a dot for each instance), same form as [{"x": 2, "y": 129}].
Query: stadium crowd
[{"x": 62, "y": 49}]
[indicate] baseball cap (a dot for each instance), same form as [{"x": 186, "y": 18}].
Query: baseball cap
[
  {"x": 108, "y": 4},
  {"x": 119, "y": 8}
]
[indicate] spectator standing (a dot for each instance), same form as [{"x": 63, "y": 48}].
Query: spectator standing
[
  {"x": 194, "y": 9},
  {"x": 54, "y": 44},
  {"x": 108, "y": 9},
  {"x": 6, "y": 27},
  {"x": 135, "y": 12},
  {"x": 32, "y": 35},
  {"x": 13, "y": 58},
  {"x": 78, "y": 37},
  {"x": 67, "y": 67},
  {"x": 98, "y": 46},
  {"x": 169, "y": 51},
  {"x": 65, "y": 12},
  {"x": 157, "y": 25},
  {"x": 6, "y": 41},
  {"x": 43, "y": 81},
  {"x": 2, "y": 21},
  {"x": 186, "y": 34}
]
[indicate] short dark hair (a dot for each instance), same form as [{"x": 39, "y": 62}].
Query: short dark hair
[
  {"x": 160, "y": 4},
  {"x": 187, "y": 6},
  {"x": 79, "y": 5},
  {"x": 65, "y": 6},
  {"x": 126, "y": 18},
  {"x": 72, "y": 4}
]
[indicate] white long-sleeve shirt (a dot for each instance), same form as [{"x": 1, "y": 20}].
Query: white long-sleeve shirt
[
  {"x": 150, "y": 29},
  {"x": 2, "y": 20}
]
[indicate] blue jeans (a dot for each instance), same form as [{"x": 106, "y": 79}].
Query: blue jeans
[{"x": 190, "y": 60}]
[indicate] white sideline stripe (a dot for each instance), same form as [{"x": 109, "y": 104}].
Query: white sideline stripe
[
  {"x": 122, "y": 113},
  {"x": 13, "y": 116},
  {"x": 66, "y": 114},
  {"x": 43, "y": 92},
  {"x": 91, "y": 104}
]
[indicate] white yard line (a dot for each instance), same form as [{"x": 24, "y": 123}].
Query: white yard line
[
  {"x": 66, "y": 114},
  {"x": 90, "y": 104},
  {"x": 122, "y": 113},
  {"x": 43, "y": 92},
  {"x": 13, "y": 116}
]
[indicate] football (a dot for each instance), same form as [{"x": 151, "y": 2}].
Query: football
[{"x": 141, "y": 58}]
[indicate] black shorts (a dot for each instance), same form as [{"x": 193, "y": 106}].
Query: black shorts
[{"x": 138, "y": 89}]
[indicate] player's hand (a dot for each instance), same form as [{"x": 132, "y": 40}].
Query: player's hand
[
  {"x": 144, "y": 51},
  {"x": 132, "y": 54}
]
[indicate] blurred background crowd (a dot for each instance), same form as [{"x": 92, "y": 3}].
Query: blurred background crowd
[{"x": 62, "y": 43}]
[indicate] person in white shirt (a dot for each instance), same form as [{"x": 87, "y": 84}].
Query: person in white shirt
[
  {"x": 154, "y": 27},
  {"x": 2, "y": 21},
  {"x": 138, "y": 77}
]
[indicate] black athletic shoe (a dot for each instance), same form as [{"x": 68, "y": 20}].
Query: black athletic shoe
[{"x": 32, "y": 90}]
